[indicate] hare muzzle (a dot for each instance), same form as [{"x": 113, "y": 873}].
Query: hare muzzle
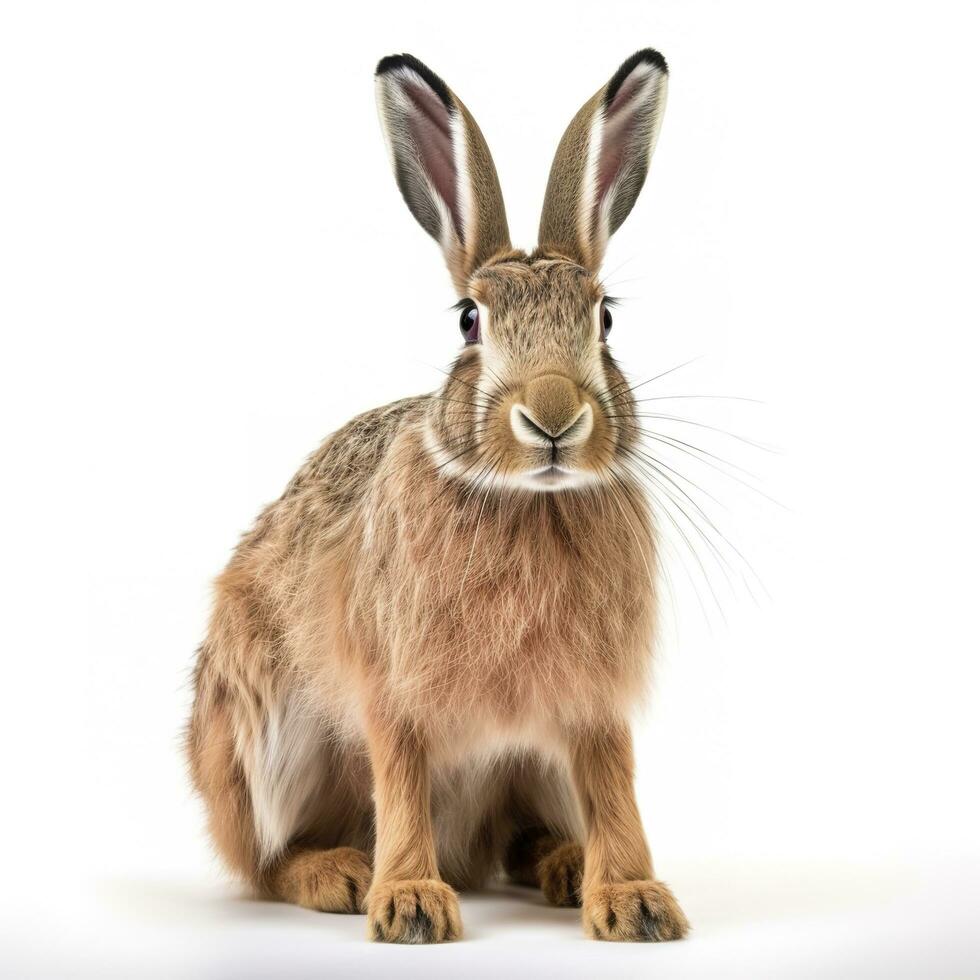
[{"x": 552, "y": 414}]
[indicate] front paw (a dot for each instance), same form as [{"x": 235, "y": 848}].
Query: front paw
[
  {"x": 425, "y": 911},
  {"x": 634, "y": 911}
]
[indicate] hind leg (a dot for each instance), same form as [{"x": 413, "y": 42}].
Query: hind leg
[
  {"x": 332, "y": 879},
  {"x": 544, "y": 850},
  {"x": 284, "y": 819},
  {"x": 535, "y": 857},
  {"x": 327, "y": 864},
  {"x": 325, "y": 878},
  {"x": 335, "y": 879},
  {"x": 219, "y": 777}
]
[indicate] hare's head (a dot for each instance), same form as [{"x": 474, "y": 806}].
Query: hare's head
[{"x": 535, "y": 399}]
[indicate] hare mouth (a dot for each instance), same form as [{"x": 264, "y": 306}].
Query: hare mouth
[{"x": 551, "y": 476}]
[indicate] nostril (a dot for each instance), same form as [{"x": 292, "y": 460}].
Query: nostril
[
  {"x": 579, "y": 429},
  {"x": 527, "y": 429},
  {"x": 533, "y": 431}
]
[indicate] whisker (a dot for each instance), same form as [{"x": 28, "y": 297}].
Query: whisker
[
  {"x": 670, "y": 440},
  {"x": 656, "y": 377},
  {"x": 463, "y": 381},
  {"x": 701, "y": 425},
  {"x": 730, "y": 398},
  {"x": 716, "y": 551},
  {"x": 693, "y": 551},
  {"x": 657, "y": 464},
  {"x": 690, "y": 450}
]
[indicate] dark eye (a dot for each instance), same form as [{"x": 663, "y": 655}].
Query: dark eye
[
  {"x": 469, "y": 323},
  {"x": 605, "y": 319}
]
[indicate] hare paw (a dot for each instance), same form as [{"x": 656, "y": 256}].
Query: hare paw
[
  {"x": 335, "y": 880},
  {"x": 560, "y": 874},
  {"x": 424, "y": 911},
  {"x": 634, "y": 911}
]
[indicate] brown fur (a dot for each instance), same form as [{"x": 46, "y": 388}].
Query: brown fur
[
  {"x": 334, "y": 880},
  {"x": 414, "y": 656},
  {"x": 560, "y": 874},
  {"x": 534, "y": 857}
]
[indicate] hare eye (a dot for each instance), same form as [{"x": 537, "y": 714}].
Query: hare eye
[
  {"x": 605, "y": 319},
  {"x": 469, "y": 323}
]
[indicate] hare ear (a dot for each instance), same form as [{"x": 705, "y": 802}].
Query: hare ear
[
  {"x": 602, "y": 160},
  {"x": 442, "y": 165}
]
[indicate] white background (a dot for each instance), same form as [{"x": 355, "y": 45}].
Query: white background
[{"x": 205, "y": 268}]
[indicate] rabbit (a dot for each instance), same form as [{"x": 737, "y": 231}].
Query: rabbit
[{"x": 422, "y": 660}]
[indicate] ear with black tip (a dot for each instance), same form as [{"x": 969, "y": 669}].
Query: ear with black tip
[
  {"x": 442, "y": 165},
  {"x": 602, "y": 160}
]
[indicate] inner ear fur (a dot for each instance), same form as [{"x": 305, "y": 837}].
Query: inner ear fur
[
  {"x": 602, "y": 160},
  {"x": 442, "y": 165}
]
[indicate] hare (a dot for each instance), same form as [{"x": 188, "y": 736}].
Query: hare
[{"x": 422, "y": 659}]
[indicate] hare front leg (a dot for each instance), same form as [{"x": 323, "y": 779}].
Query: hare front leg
[
  {"x": 620, "y": 898},
  {"x": 407, "y": 902}
]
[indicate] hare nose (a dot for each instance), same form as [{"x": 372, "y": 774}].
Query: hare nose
[{"x": 551, "y": 414}]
